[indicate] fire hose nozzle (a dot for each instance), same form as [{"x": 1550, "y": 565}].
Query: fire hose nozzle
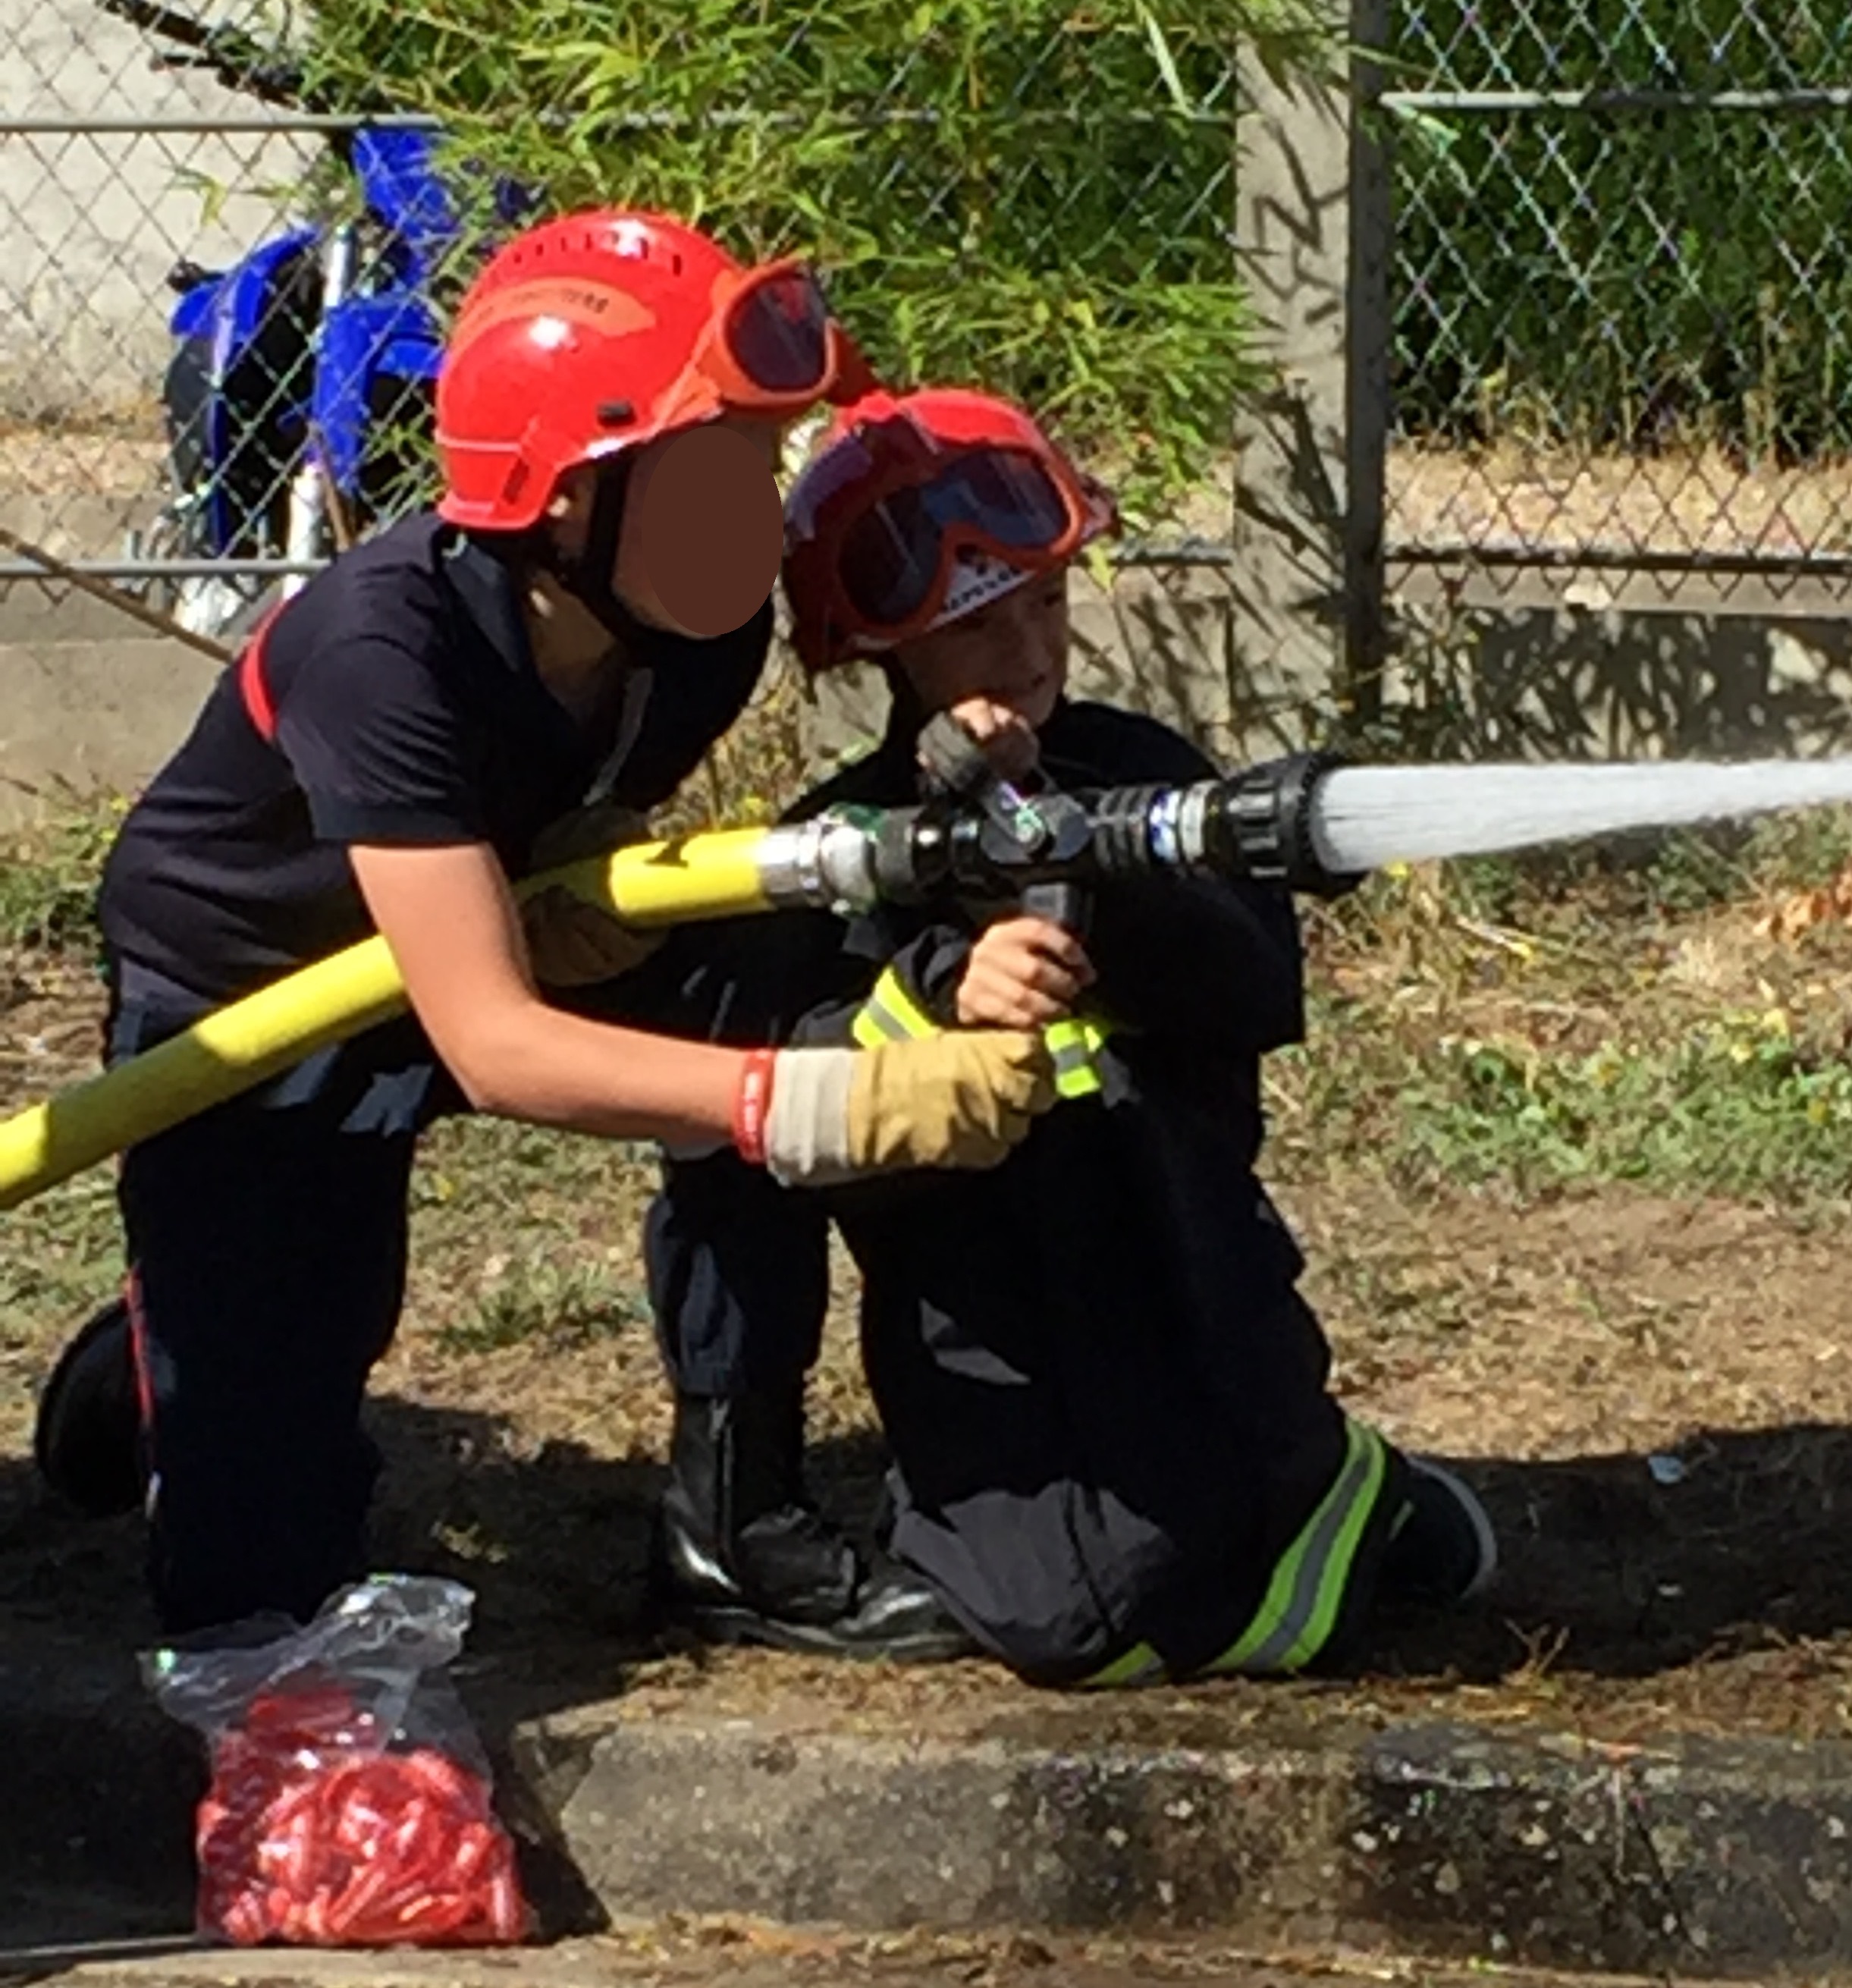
[{"x": 1262, "y": 824}]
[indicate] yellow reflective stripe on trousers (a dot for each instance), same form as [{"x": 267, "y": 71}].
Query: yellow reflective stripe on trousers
[
  {"x": 1296, "y": 1617},
  {"x": 890, "y": 1015},
  {"x": 1140, "y": 1665}
]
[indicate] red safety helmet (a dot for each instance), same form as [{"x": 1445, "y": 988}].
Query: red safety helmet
[
  {"x": 598, "y": 332},
  {"x": 917, "y": 510}
]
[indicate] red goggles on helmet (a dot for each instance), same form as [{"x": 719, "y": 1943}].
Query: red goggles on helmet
[
  {"x": 896, "y": 563},
  {"x": 770, "y": 347}
]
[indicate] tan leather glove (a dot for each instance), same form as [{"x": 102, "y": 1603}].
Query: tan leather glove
[
  {"x": 572, "y": 943},
  {"x": 962, "y": 1098}
]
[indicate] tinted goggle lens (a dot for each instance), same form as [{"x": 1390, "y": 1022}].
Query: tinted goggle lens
[
  {"x": 1012, "y": 498},
  {"x": 778, "y": 333},
  {"x": 890, "y": 558}
]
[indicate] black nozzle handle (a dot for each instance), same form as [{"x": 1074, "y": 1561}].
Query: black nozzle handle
[
  {"x": 1068, "y": 905},
  {"x": 952, "y": 757}
]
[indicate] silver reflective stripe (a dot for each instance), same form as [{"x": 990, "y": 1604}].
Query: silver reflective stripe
[
  {"x": 891, "y": 1014},
  {"x": 875, "y": 1023},
  {"x": 1073, "y": 1044}
]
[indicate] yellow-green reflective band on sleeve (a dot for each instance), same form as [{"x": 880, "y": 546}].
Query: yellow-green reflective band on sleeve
[
  {"x": 1140, "y": 1665},
  {"x": 867, "y": 1029},
  {"x": 1073, "y": 1043},
  {"x": 890, "y": 1015},
  {"x": 1300, "y": 1608}
]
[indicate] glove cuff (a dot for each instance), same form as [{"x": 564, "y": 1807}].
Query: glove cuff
[{"x": 806, "y": 1124}]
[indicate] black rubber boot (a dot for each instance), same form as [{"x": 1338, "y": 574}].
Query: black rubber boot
[
  {"x": 1443, "y": 1551},
  {"x": 744, "y": 1557},
  {"x": 87, "y": 1440}
]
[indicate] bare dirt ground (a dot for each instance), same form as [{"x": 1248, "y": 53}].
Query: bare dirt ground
[
  {"x": 1685, "y": 500},
  {"x": 1652, "y": 1389}
]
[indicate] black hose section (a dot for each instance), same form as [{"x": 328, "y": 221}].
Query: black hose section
[
  {"x": 241, "y": 62},
  {"x": 238, "y": 60},
  {"x": 912, "y": 854}
]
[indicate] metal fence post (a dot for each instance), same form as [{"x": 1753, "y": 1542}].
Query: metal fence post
[
  {"x": 1369, "y": 311},
  {"x": 1311, "y": 233}
]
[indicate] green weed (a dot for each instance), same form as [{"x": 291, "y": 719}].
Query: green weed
[
  {"x": 1735, "y": 1108},
  {"x": 63, "y": 1257},
  {"x": 49, "y": 870},
  {"x": 535, "y": 1297}
]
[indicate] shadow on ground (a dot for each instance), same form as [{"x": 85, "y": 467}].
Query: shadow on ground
[
  {"x": 555, "y": 1544},
  {"x": 1613, "y": 1582},
  {"x": 1623, "y": 1567}
]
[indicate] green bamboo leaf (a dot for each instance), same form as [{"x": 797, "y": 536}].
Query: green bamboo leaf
[
  {"x": 213, "y": 193},
  {"x": 1167, "y": 63}
]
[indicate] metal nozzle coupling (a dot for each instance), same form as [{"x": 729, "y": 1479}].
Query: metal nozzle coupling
[{"x": 827, "y": 863}]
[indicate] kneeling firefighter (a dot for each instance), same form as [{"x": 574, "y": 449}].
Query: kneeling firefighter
[{"x": 1116, "y": 1457}]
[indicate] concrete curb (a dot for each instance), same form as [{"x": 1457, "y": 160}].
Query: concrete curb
[
  {"x": 1699, "y": 1858},
  {"x": 1694, "y": 1857}
]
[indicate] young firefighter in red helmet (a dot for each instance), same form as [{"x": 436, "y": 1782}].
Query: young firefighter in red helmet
[
  {"x": 586, "y": 610},
  {"x": 1115, "y": 1456}
]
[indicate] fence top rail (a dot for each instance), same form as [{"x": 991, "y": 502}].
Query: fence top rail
[
  {"x": 1615, "y": 559},
  {"x": 59, "y": 124},
  {"x": 153, "y": 123},
  {"x": 1494, "y": 102},
  {"x": 1134, "y": 552}
]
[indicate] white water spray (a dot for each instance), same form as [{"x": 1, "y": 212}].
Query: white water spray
[{"x": 1364, "y": 817}]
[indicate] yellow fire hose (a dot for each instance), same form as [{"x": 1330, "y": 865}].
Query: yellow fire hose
[{"x": 709, "y": 875}]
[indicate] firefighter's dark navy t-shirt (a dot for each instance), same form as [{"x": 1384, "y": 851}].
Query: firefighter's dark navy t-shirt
[{"x": 407, "y": 711}]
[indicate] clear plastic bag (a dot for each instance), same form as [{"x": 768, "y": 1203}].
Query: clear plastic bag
[{"x": 350, "y": 1802}]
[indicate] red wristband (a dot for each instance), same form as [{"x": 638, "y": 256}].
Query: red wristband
[{"x": 752, "y": 1104}]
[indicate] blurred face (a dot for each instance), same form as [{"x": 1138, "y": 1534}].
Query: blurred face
[
  {"x": 1012, "y": 652},
  {"x": 703, "y": 528}
]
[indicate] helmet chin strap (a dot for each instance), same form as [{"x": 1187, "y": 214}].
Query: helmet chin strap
[{"x": 586, "y": 574}]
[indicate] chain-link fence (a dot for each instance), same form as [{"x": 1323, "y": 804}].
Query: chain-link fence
[
  {"x": 1624, "y": 311},
  {"x": 230, "y": 234}
]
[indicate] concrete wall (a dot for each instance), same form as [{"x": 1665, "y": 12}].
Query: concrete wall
[
  {"x": 87, "y": 703},
  {"x": 89, "y": 224},
  {"x": 1578, "y": 683}
]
